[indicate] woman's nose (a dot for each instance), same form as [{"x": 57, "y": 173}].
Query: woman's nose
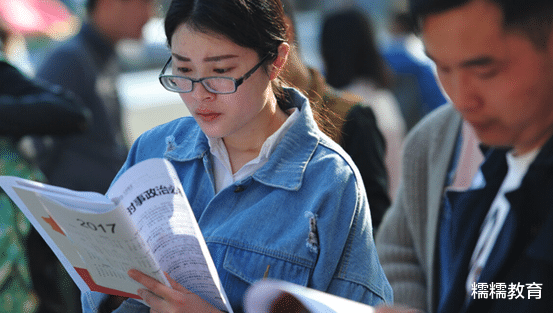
[{"x": 200, "y": 93}]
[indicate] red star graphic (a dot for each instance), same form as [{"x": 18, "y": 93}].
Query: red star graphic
[{"x": 53, "y": 224}]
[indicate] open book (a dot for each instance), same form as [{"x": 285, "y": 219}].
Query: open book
[
  {"x": 275, "y": 296},
  {"x": 143, "y": 222}
]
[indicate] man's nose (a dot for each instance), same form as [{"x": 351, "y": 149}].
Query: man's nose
[{"x": 464, "y": 92}]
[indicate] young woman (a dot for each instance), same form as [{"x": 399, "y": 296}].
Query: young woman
[{"x": 266, "y": 186}]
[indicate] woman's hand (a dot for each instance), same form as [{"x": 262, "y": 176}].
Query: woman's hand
[{"x": 163, "y": 299}]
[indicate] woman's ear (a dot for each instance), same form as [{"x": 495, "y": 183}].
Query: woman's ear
[{"x": 280, "y": 61}]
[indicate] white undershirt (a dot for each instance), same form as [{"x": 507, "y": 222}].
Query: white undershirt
[
  {"x": 493, "y": 223},
  {"x": 222, "y": 170}
]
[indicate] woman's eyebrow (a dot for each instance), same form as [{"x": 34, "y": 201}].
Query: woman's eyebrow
[
  {"x": 207, "y": 59},
  {"x": 220, "y": 58}
]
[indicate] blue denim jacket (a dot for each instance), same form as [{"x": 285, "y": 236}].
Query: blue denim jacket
[{"x": 304, "y": 213}]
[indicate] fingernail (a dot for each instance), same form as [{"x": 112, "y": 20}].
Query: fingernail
[{"x": 131, "y": 273}]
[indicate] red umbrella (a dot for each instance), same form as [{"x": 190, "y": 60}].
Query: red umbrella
[{"x": 29, "y": 17}]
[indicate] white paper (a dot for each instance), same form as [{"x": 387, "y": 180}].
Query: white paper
[
  {"x": 260, "y": 296},
  {"x": 174, "y": 235}
]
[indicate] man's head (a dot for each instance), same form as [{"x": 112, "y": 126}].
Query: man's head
[
  {"x": 533, "y": 17},
  {"x": 120, "y": 19},
  {"x": 495, "y": 61}
]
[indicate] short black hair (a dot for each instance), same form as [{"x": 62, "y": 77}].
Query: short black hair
[
  {"x": 533, "y": 17},
  {"x": 90, "y": 6}
]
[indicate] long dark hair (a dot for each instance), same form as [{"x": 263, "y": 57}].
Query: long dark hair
[{"x": 349, "y": 50}]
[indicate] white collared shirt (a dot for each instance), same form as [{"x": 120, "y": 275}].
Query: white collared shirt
[
  {"x": 495, "y": 218},
  {"x": 222, "y": 170}
]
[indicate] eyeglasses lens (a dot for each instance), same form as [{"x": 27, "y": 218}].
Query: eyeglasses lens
[{"x": 220, "y": 85}]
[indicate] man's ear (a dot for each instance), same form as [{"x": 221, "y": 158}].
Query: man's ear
[{"x": 280, "y": 61}]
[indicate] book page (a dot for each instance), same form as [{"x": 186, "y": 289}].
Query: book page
[
  {"x": 79, "y": 201},
  {"x": 108, "y": 244},
  {"x": 97, "y": 250},
  {"x": 63, "y": 192},
  {"x": 262, "y": 296},
  {"x": 41, "y": 220},
  {"x": 151, "y": 193}
]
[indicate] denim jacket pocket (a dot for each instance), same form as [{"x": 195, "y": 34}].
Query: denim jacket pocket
[{"x": 251, "y": 265}]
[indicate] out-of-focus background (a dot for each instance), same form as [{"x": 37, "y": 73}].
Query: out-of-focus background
[{"x": 145, "y": 102}]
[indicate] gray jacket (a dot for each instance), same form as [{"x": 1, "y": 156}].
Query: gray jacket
[{"x": 407, "y": 237}]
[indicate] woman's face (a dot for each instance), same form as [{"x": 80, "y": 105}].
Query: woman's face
[{"x": 249, "y": 109}]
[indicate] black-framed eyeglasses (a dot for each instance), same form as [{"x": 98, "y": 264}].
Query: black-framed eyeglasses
[{"x": 213, "y": 84}]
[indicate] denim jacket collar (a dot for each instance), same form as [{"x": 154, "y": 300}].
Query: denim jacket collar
[{"x": 290, "y": 158}]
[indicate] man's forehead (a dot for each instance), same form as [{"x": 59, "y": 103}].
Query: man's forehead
[{"x": 472, "y": 31}]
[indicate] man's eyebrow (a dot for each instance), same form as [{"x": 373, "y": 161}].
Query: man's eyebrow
[
  {"x": 207, "y": 59},
  {"x": 476, "y": 61}
]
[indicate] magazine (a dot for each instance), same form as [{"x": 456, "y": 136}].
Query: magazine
[{"x": 143, "y": 222}]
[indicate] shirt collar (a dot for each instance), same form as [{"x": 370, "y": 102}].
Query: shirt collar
[
  {"x": 289, "y": 158},
  {"x": 218, "y": 149}
]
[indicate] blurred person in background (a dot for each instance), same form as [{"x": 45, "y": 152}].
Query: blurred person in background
[
  {"x": 414, "y": 83},
  {"x": 28, "y": 107},
  {"x": 354, "y": 125},
  {"x": 353, "y": 63},
  {"x": 87, "y": 65}
]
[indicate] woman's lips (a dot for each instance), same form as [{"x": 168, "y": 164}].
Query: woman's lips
[{"x": 207, "y": 115}]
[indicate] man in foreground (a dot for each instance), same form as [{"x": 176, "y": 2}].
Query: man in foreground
[{"x": 488, "y": 249}]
